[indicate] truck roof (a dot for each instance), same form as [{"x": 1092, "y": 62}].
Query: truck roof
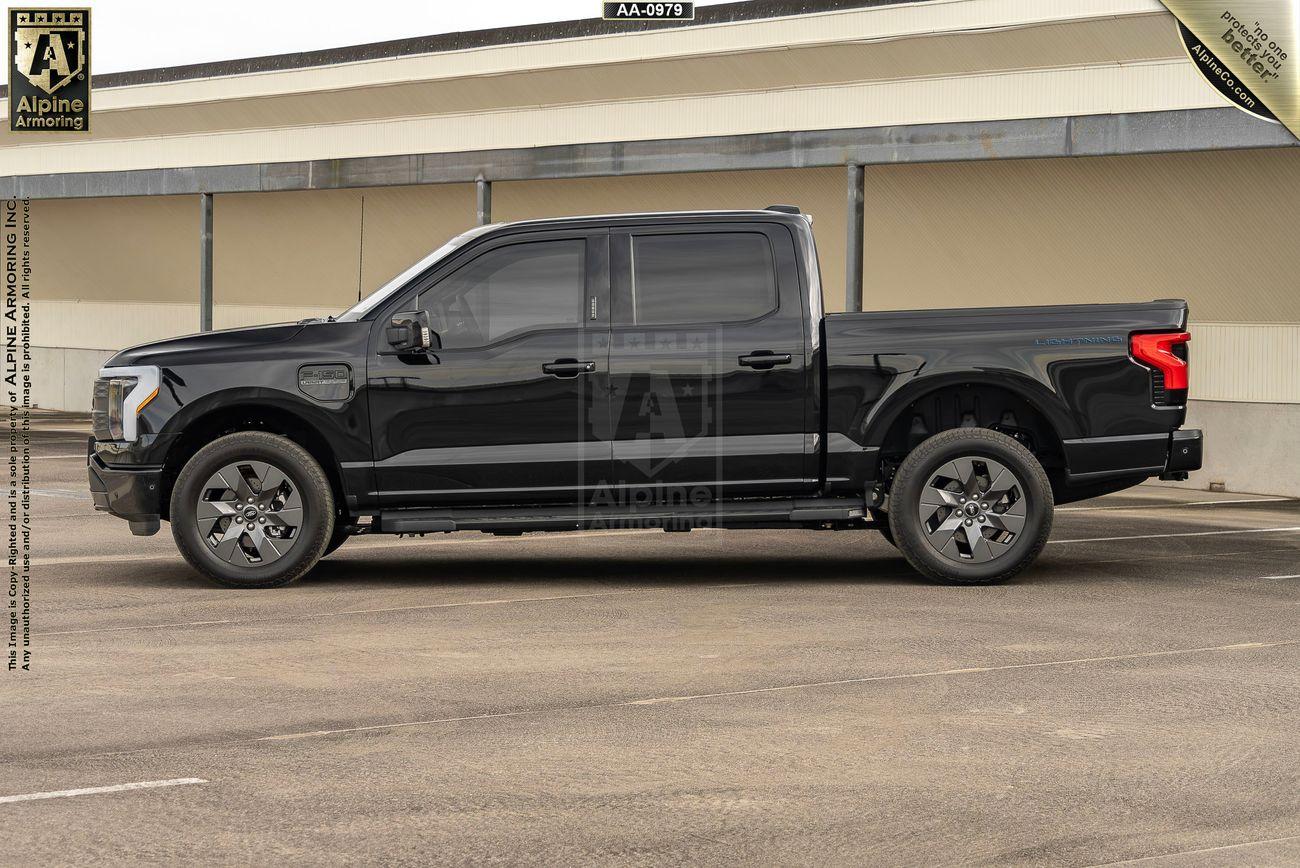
[{"x": 655, "y": 216}]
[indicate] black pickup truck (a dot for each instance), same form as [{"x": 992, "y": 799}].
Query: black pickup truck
[{"x": 668, "y": 371}]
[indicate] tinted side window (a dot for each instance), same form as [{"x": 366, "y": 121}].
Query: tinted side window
[
  {"x": 522, "y": 287},
  {"x": 701, "y": 277}
]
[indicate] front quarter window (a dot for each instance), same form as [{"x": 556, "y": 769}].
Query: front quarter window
[{"x": 507, "y": 291}]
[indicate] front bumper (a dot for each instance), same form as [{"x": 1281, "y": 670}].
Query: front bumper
[
  {"x": 1172, "y": 455},
  {"x": 131, "y": 493}
]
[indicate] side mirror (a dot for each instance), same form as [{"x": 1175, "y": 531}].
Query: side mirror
[{"x": 410, "y": 333}]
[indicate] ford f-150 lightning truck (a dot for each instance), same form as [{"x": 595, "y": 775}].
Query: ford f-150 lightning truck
[{"x": 669, "y": 371}]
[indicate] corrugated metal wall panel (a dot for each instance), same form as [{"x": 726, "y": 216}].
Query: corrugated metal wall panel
[
  {"x": 1248, "y": 362},
  {"x": 101, "y": 325},
  {"x": 1106, "y": 89},
  {"x": 1077, "y": 43},
  {"x": 906, "y": 21},
  {"x": 1086, "y": 230}
]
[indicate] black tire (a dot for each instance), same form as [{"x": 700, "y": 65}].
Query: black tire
[
  {"x": 303, "y": 475},
  {"x": 882, "y": 524},
  {"x": 922, "y": 473}
]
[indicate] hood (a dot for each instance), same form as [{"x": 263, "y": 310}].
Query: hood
[{"x": 173, "y": 350}]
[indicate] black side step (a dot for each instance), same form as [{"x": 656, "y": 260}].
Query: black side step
[{"x": 516, "y": 519}]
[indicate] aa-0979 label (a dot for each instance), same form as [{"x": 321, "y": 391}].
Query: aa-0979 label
[{"x": 649, "y": 11}]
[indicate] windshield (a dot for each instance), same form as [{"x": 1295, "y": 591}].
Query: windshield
[{"x": 379, "y": 296}]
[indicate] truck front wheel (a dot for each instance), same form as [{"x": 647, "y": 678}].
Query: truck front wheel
[
  {"x": 970, "y": 506},
  {"x": 252, "y": 510}
]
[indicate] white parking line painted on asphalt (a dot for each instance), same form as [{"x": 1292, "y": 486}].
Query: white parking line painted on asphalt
[
  {"x": 1186, "y": 533},
  {"x": 1175, "y": 505},
  {"x": 1165, "y": 858},
  {"x": 107, "y": 557},
  {"x": 62, "y": 493},
  {"x": 969, "y": 670},
  {"x": 510, "y": 600},
  {"x": 806, "y": 685},
  {"x": 391, "y": 544},
  {"x": 235, "y": 621},
  {"x": 1292, "y": 576},
  {"x": 413, "y": 608},
  {"x": 90, "y": 791}
]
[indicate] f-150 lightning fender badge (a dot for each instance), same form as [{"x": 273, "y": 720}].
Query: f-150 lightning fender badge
[
  {"x": 1071, "y": 341},
  {"x": 331, "y": 382}
]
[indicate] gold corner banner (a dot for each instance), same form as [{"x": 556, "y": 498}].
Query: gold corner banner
[{"x": 1246, "y": 49}]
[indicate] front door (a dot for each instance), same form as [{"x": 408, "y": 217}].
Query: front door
[{"x": 513, "y": 406}]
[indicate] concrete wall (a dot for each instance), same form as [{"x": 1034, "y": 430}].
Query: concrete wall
[
  {"x": 61, "y": 378},
  {"x": 1249, "y": 447}
]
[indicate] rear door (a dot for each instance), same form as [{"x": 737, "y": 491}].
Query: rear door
[{"x": 709, "y": 372}]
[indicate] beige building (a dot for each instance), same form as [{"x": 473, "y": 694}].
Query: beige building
[{"x": 1003, "y": 152}]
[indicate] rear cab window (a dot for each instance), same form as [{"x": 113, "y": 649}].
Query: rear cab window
[{"x": 700, "y": 277}]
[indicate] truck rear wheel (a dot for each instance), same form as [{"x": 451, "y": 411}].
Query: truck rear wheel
[
  {"x": 252, "y": 510},
  {"x": 970, "y": 506}
]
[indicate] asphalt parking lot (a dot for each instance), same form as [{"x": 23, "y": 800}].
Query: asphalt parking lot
[{"x": 633, "y": 697}]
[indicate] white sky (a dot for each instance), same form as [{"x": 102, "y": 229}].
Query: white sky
[{"x": 144, "y": 34}]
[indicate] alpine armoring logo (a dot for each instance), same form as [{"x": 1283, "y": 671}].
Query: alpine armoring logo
[{"x": 49, "y": 75}]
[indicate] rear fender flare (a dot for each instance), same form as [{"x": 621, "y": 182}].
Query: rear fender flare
[{"x": 1038, "y": 396}]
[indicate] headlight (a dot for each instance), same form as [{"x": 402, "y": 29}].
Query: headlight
[
  {"x": 118, "y": 387},
  {"x": 120, "y": 394}
]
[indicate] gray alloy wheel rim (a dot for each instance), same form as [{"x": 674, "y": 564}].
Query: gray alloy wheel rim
[
  {"x": 249, "y": 514},
  {"x": 972, "y": 510}
]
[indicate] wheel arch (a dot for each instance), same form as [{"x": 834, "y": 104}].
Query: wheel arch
[
  {"x": 219, "y": 417},
  {"x": 943, "y": 401}
]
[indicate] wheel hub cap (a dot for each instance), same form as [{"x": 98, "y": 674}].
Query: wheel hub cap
[
  {"x": 972, "y": 509},
  {"x": 249, "y": 514}
]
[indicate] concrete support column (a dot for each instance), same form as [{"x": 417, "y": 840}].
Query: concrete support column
[
  {"x": 205, "y": 262},
  {"x": 484, "y": 200},
  {"x": 853, "y": 247}
]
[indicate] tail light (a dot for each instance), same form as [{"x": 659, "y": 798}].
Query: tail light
[{"x": 1166, "y": 355}]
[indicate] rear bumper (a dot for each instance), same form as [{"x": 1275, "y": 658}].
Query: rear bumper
[
  {"x": 1096, "y": 459},
  {"x": 1185, "y": 450},
  {"x": 128, "y": 493}
]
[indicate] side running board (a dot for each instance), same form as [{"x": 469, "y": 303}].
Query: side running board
[{"x": 517, "y": 519}]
